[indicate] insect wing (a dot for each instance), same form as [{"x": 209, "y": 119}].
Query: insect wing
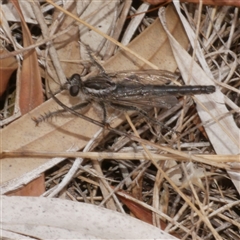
[
  {"x": 151, "y": 76},
  {"x": 160, "y": 102}
]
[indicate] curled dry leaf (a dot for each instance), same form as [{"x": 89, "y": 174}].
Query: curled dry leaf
[
  {"x": 7, "y": 67},
  {"x": 30, "y": 83}
]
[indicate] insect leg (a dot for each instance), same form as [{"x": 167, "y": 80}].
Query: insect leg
[
  {"x": 103, "y": 106},
  {"x": 98, "y": 65},
  {"x": 44, "y": 117}
]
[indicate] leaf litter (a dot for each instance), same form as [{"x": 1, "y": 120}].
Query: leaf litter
[{"x": 184, "y": 195}]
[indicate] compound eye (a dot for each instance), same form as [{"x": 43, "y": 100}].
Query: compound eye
[{"x": 74, "y": 90}]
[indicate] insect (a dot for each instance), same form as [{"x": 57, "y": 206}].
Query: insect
[
  {"x": 132, "y": 91},
  {"x": 135, "y": 91}
]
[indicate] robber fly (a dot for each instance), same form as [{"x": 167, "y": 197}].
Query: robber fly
[
  {"x": 137, "y": 91},
  {"x": 133, "y": 90}
]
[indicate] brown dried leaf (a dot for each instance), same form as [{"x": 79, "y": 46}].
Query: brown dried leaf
[
  {"x": 7, "y": 67},
  {"x": 34, "y": 188},
  {"x": 30, "y": 84}
]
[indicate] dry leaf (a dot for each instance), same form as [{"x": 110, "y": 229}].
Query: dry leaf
[
  {"x": 45, "y": 218},
  {"x": 30, "y": 84},
  {"x": 7, "y": 67},
  {"x": 34, "y": 188}
]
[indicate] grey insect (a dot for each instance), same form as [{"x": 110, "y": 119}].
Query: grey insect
[{"x": 137, "y": 90}]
